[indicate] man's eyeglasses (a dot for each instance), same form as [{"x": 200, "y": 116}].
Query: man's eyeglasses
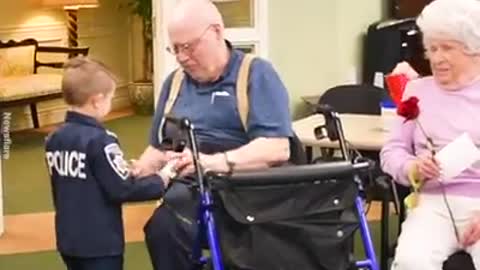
[{"x": 188, "y": 47}]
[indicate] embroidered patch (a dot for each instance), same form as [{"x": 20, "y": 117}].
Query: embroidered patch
[
  {"x": 111, "y": 133},
  {"x": 117, "y": 162}
]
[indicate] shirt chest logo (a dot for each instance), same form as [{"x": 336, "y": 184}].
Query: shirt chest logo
[{"x": 218, "y": 94}]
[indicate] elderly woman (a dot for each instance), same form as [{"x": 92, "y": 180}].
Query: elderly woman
[{"x": 446, "y": 217}]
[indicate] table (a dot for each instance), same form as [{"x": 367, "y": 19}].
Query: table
[{"x": 363, "y": 132}]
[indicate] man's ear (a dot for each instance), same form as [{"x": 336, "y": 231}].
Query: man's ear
[{"x": 218, "y": 30}]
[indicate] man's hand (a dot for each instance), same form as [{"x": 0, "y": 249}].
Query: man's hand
[
  {"x": 406, "y": 69},
  {"x": 151, "y": 161},
  {"x": 472, "y": 233},
  {"x": 185, "y": 166},
  {"x": 215, "y": 163}
]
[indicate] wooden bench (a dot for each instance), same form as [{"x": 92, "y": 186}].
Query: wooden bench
[{"x": 21, "y": 83}]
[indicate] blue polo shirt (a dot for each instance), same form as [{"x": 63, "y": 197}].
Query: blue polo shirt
[{"x": 212, "y": 107}]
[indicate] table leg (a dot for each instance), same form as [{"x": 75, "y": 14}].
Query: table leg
[{"x": 309, "y": 153}]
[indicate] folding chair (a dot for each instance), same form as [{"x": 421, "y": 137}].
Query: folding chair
[{"x": 293, "y": 217}]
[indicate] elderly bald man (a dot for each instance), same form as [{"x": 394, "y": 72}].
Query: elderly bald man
[{"x": 208, "y": 98}]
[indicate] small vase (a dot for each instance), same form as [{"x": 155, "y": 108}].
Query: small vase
[{"x": 141, "y": 96}]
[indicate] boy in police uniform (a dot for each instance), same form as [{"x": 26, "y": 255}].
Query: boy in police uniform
[{"x": 90, "y": 178}]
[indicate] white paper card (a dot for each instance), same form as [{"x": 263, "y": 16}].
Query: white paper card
[{"x": 457, "y": 156}]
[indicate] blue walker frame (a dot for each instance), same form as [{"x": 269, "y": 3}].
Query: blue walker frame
[{"x": 206, "y": 222}]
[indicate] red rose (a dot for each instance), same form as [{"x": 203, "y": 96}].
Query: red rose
[{"x": 409, "y": 108}]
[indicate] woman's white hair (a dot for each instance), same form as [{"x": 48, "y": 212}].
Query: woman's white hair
[{"x": 453, "y": 19}]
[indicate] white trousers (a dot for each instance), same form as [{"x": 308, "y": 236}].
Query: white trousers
[{"x": 428, "y": 237}]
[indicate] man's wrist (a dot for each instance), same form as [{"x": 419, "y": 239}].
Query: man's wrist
[{"x": 230, "y": 163}]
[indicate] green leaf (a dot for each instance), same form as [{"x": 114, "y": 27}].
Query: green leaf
[{"x": 142, "y": 8}]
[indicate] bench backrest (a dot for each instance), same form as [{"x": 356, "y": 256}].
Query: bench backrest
[{"x": 20, "y": 58}]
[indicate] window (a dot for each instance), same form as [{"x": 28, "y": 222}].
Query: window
[
  {"x": 237, "y": 14},
  {"x": 246, "y": 48}
]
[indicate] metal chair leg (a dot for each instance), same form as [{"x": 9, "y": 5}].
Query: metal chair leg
[
  {"x": 33, "y": 110},
  {"x": 384, "y": 230}
]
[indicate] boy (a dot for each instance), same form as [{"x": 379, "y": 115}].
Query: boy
[{"x": 90, "y": 178}]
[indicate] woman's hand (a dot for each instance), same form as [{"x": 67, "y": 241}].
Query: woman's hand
[
  {"x": 472, "y": 233},
  {"x": 427, "y": 167},
  {"x": 406, "y": 69}
]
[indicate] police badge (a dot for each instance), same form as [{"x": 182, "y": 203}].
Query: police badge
[{"x": 117, "y": 162}]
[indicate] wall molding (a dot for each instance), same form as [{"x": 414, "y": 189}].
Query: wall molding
[
  {"x": 44, "y": 33},
  {"x": 19, "y": 28},
  {"x": 56, "y": 31}
]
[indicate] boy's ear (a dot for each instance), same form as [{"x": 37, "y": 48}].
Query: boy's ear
[{"x": 96, "y": 99}]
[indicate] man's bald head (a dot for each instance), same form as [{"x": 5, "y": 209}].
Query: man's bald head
[
  {"x": 196, "y": 33},
  {"x": 194, "y": 15}
]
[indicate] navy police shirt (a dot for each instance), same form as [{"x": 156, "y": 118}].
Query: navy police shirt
[
  {"x": 90, "y": 179},
  {"x": 212, "y": 107}
]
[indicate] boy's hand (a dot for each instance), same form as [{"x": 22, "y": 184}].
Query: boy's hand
[
  {"x": 140, "y": 169},
  {"x": 150, "y": 162}
]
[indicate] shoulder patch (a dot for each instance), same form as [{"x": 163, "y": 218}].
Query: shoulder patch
[
  {"x": 111, "y": 134},
  {"x": 115, "y": 158}
]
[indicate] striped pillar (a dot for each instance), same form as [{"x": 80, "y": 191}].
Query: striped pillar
[{"x": 72, "y": 27}]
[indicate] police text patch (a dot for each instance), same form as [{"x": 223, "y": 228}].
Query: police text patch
[
  {"x": 117, "y": 162},
  {"x": 67, "y": 163}
]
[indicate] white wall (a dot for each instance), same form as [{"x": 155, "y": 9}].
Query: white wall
[{"x": 315, "y": 44}]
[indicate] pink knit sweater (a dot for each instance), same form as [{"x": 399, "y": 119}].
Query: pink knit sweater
[{"x": 444, "y": 115}]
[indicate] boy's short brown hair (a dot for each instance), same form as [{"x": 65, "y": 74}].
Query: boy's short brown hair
[{"x": 84, "y": 77}]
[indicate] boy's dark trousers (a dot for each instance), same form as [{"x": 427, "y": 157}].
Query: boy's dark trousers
[{"x": 96, "y": 263}]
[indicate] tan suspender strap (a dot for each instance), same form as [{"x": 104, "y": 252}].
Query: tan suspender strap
[
  {"x": 174, "y": 90},
  {"x": 172, "y": 96},
  {"x": 242, "y": 89}
]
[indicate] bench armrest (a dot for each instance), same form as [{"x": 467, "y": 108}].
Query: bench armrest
[{"x": 72, "y": 52}]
